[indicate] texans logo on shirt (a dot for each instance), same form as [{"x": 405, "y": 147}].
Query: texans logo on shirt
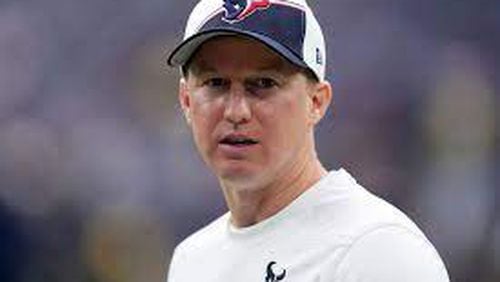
[
  {"x": 271, "y": 276},
  {"x": 238, "y": 10}
]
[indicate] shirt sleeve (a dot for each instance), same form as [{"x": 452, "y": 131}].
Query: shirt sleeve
[{"x": 389, "y": 254}]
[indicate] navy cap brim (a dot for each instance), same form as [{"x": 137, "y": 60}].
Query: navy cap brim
[{"x": 183, "y": 52}]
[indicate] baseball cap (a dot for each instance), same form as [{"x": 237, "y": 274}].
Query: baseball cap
[{"x": 288, "y": 27}]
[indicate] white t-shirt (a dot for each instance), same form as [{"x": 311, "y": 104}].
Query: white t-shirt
[{"x": 336, "y": 231}]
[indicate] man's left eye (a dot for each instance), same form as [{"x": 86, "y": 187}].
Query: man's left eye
[{"x": 264, "y": 83}]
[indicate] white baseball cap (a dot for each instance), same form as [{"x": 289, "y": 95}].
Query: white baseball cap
[{"x": 288, "y": 27}]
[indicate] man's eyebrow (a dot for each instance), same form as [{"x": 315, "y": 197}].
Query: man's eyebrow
[
  {"x": 277, "y": 68},
  {"x": 201, "y": 67}
]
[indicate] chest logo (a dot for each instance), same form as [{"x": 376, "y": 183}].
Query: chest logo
[
  {"x": 274, "y": 273},
  {"x": 238, "y": 10}
]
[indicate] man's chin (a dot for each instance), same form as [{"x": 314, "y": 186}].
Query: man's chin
[
  {"x": 238, "y": 174},
  {"x": 235, "y": 174}
]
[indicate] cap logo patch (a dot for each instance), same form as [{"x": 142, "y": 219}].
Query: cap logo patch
[
  {"x": 319, "y": 57},
  {"x": 238, "y": 10}
]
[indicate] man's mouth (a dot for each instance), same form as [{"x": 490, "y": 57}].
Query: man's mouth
[{"x": 238, "y": 141}]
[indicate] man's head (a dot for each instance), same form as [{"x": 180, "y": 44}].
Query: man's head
[{"x": 252, "y": 110}]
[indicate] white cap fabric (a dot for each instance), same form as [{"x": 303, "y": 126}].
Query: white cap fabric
[{"x": 289, "y": 27}]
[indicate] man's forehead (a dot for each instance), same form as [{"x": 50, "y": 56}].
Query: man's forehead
[{"x": 238, "y": 51}]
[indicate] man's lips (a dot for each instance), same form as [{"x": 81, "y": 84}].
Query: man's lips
[
  {"x": 238, "y": 140},
  {"x": 237, "y": 146}
]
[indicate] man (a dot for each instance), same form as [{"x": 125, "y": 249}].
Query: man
[{"x": 252, "y": 91}]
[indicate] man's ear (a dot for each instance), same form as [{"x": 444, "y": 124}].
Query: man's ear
[
  {"x": 320, "y": 99},
  {"x": 185, "y": 100}
]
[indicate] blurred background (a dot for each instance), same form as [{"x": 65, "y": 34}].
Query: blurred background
[{"x": 99, "y": 179}]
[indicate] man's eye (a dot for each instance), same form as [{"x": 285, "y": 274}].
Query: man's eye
[
  {"x": 259, "y": 84},
  {"x": 216, "y": 82},
  {"x": 265, "y": 83}
]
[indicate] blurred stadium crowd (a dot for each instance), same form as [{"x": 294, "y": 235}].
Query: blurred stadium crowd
[{"x": 98, "y": 175}]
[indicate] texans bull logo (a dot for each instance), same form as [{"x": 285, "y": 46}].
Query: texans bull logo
[
  {"x": 238, "y": 10},
  {"x": 271, "y": 276}
]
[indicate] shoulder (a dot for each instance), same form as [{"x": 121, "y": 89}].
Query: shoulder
[
  {"x": 349, "y": 210},
  {"x": 202, "y": 241},
  {"x": 207, "y": 235},
  {"x": 389, "y": 253},
  {"x": 380, "y": 242}
]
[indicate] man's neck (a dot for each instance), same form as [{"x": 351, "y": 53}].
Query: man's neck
[{"x": 251, "y": 206}]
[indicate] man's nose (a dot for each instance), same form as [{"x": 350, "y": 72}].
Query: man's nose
[{"x": 237, "y": 108}]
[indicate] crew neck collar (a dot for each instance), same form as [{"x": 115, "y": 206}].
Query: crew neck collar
[{"x": 297, "y": 205}]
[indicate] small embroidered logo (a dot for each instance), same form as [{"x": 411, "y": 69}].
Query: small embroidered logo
[
  {"x": 319, "y": 57},
  {"x": 271, "y": 275}
]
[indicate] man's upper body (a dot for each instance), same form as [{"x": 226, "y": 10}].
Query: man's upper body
[
  {"x": 252, "y": 92},
  {"x": 336, "y": 231}
]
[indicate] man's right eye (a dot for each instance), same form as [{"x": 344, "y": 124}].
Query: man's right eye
[{"x": 216, "y": 82}]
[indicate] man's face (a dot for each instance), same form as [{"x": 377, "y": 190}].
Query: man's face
[{"x": 251, "y": 113}]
